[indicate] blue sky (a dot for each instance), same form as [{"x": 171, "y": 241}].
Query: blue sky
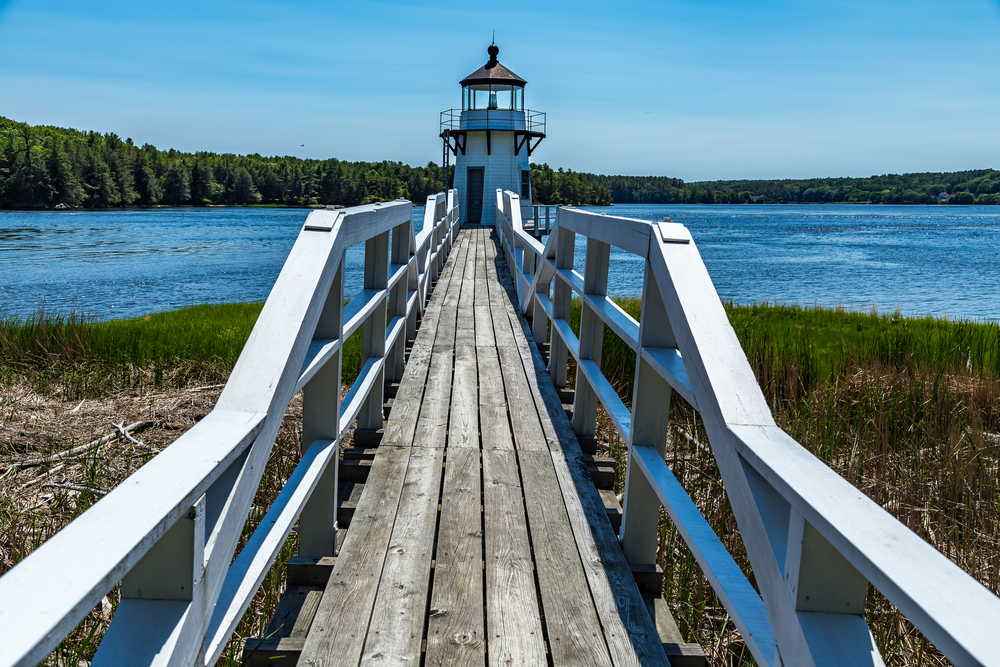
[{"x": 696, "y": 90}]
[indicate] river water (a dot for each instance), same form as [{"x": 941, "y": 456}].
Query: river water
[{"x": 937, "y": 260}]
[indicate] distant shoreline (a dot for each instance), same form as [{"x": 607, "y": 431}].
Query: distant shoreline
[{"x": 316, "y": 207}]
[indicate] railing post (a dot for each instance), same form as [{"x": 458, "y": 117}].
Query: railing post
[
  {"x": 595, "y": 282},
  {"x": 373, "y": 328},
  {"x": 562, "y": 305},
  {"x": 440, "y": 233},
  {"x": 818, "y": 577},
  {"x": 512, "y": 204},
  {"x": 650, "y": 423},
  {"x": 540, "y": 318},
  {"x": 153, "y": 597},
  {"x": 400, "y": 255},
  {"x": 321, "y": 421}
]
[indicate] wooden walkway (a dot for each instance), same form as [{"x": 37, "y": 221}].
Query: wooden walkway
[{"x": 479, "y": 537}]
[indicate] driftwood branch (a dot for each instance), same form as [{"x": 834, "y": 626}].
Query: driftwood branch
[
  {"x": 124, "y": 432},
  {"x": 692, "y": 440},
  {"x": 71, "y": 487},
  {"x": 76, "y": 451},
  {"x": 41, "y": 477},
  {"x": 205, "y": 388}
]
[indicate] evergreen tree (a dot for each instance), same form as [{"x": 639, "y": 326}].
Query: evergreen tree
[
  {"x": 64, "y": 184},
  {"x": 202, "y": 184},
  {"x": 243, "y": 191},
  {"x": 177, "y": 185},
  {"x": 146, "y": 183}
]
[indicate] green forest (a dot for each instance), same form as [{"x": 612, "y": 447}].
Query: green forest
[
  {"x": 981, "y": 186},
  {"x": 52, "y": 167}
]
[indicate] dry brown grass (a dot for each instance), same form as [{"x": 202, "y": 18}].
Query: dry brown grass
[
  {"x": 923, "y": 445},
  {"x": 34, "y": 423}
]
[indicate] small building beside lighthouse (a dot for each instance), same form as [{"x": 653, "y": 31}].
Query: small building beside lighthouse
[{"x": 491, "y": 138}]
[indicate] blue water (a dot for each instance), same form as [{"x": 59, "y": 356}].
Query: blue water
[{"x": 923, "y": 260}]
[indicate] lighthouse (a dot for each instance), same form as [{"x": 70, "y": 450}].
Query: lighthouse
[{"x": 491, "y": 138}]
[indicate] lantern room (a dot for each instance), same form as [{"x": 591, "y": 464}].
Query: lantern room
[{"x": 493, "y": 87}]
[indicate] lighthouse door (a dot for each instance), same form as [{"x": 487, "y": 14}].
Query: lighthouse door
[{"x": 475, "y": 208}]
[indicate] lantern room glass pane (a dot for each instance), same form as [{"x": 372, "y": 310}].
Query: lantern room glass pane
[
  {"x": 480, "y": 97},
  {"x": 501, "y": 98},
  {"x": 518, "y": 98}
]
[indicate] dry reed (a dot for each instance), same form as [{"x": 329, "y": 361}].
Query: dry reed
[{"x": 913, "y": 426}]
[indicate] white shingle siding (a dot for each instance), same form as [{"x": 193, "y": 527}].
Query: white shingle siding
[{"x": 502, "y": 169}]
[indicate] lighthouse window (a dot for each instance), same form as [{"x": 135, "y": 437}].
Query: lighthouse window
[
  {"x": 480, "y": 98},
  {"x": 526, "y": 184},
  {"x": 518, "y": 98},
  {"x": 503, "y": 97}
]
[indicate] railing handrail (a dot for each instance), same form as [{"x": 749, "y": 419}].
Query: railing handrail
[
  {"x": 170, "y": 530},
  {"x": 806, "y": 529},
  {"x": 534, "y": 121}
]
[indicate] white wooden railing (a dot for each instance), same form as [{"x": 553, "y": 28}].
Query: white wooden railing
[
  {"x": 169, "y": 532},
  {"x": 814, "y": 540}
]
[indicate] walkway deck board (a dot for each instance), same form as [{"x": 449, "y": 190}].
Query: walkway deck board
[{"x": 518, "y": 565}]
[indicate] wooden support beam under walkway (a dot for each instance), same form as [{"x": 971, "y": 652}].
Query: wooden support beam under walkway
[{"x": 479, "y": 537}]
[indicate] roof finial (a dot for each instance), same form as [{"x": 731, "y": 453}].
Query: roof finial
[{"x": 493, "y": 50}]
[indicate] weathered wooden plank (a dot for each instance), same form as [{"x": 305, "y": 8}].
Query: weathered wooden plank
[
  {"x": 460, "y": 253},
  {"x": 573, "y": 628},
  {"x": 432, "y": 424},
  {"x": 338, "y": 631},
  {"x": 455, "y": 624},
  {"x": 484, "y": 319},
  {"x": 271, "y": 652},
  {"x": 502, "y": 330},
  {"x": 465, "y": 328},
  {"x": 445, "y": 338},
  {"x": 463, "y": 426},
  {"x": 484, "y": 240},
  {"x": 402, "y": 420},
  {"x": 493, "y": 421},
  {"x": 514, "y": 630},
  {"x": 295, "y": 602},
  {"x": 465, "y": 333},
  {"x": 528, "y": 434},
  {"x": 395, "y": 634},
  {"x": 305, "y": 571},
  {"x": 307, "y": 613},
  {"x": 628, "y": 630},
  {"x": 470, "y": 266},
  {"x": 401, "y": 425}
]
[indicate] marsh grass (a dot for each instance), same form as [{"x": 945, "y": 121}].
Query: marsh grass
[
  {"x": 64, "y": 379},
  {"x": 905, "y": 409},
  {"x": 79, "y": 357}
]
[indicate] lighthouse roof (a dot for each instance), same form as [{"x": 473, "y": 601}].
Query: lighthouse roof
[{"x": 493, "y": 72}]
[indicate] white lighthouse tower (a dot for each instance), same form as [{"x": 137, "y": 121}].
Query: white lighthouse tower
[{"x": 492, "y": 139}]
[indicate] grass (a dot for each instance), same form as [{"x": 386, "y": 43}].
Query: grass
[
  {"x": 80, "y": 358},
  {"x": 116, "y": 366},
  {"x": 906, "y": 409}
]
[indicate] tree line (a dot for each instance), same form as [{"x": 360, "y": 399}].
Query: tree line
[
  {"x": 51, "y": 167},
  {"x": 981, "y": 186},
  {"x": 978, "y": 186}
]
